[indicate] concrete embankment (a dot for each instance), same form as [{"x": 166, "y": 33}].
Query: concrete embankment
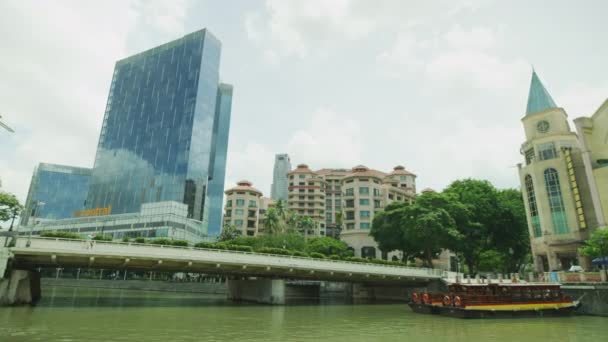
[
  {"x": 593, "y": 297},
  {"x": 143, "y": 285}
]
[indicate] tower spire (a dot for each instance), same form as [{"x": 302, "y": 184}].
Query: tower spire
[{"x": 538, "y": 97}]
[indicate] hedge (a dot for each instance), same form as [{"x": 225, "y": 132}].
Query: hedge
[
  {"x": 103, "y": 237},
  {"x": 181, "y": 243},
  {"x": 140, "y": 240},
  {"x": 317, "y": 255},
  {"x": 240, "y": 248},
  {"x": 62, "y": 235},
  {"x": 272, "y": 250},
  {"x": 335, "y": 257},
  {"x": 299, "y": 254},
  {"x": 210, "y": 245}
]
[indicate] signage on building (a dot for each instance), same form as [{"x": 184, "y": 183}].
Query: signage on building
[{"x": 94, "y": 212}]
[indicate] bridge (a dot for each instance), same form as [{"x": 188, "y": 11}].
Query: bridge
[{"x": 251, "y": 276}]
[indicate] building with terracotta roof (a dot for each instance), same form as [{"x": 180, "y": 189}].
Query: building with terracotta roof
[
  {"x": 344, "y": 201},
  {"x": 242, "y": 208}
]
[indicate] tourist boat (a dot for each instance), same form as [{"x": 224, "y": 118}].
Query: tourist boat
[{"x": 495, "y": 300}]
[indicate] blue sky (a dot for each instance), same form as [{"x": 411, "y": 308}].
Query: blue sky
[{"x": 437, "y": 86}]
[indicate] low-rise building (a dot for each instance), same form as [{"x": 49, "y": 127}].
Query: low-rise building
[
  {"x": 242, "y": 208},
  {"x": 155, "y": 220}
]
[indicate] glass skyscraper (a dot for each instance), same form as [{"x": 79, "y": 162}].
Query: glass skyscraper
[
  {"x": 156, "y": 142},
  {"x": 56, "y": 192},
  {"x": 221, "y": 128},
  {"x": 282, "y": 166}
]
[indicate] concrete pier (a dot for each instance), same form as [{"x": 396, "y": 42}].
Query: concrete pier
[
  {"x": 20, "y": 287},
  {"x": 267, "y": 291}
]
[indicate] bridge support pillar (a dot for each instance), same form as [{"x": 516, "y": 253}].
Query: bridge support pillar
[
  {"x": 20, "y": 287},
  {"x": 267, "y": 291}
]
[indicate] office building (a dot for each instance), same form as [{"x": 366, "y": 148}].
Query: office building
[
  {"x": 282, "y": 166},
  {"x": 564, "y": 180},
  {"x": 56, "y": 192},
  {"x": 221, "y": 128},
  {"x": 165, "y": 131}
]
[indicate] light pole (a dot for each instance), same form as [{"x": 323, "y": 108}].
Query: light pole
[
  {"x": 5, "y": 126},
  {"x": 36, "y": 211}
]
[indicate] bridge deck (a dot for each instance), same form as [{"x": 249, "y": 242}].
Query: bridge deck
[{"x": 51, "y": 252}]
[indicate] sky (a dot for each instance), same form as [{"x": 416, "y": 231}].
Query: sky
[{"x": 437, "y": 86}]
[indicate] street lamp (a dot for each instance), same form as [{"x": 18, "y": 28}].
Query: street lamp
[
  {"x": 5, "y": 126},
  {"x": 35, "y": 211}
]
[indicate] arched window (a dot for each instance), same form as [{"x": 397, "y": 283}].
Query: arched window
[
  {"x": 368, "y": 252},
  {"x": 556, "y": 202},
  {"x": 533, "y": 207}
]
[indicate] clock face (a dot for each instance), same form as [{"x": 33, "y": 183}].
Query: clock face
[{"x": 542, "y": 126}]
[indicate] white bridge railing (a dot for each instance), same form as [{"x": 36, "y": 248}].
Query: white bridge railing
[{"x": 66, "y": 248}]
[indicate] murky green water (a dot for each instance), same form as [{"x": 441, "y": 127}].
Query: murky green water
[{"x": 72, "y": 314}]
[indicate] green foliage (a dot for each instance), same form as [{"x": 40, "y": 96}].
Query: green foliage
[
  {"x": 180, "y": 243},
  {"x": 419, "y": 230},
  {"x": 209, "y": 245},
  {"x": 491, "y": 261},
  {"x": 10, "y": 207},
  {"x": 335, "y": 257},
  {"x": 597, "y": 245},
  {"x": 100, "y": 237},
  {"x": 62, "y": 235},
  {"x": 317, "y": 255},
  {"x": 327, "y": 246},
  {"x": 299, "y": 254},
  {"x": 160, "y": 241},
  {"x": 140, "y": 240},
  {"x": 488, "y": 219},
  {"x": 470, "y": 217},
  {"x": 272, "y": 250},
  {"x": 291, "y": 241},
  {"x": 229, "y": 232},
  {"x": 239, "y": 248},
  {"x": 125, "y": 239}
]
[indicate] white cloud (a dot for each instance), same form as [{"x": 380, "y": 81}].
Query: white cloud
[
  {"x": 250, "y": 161},
  {"x": 581, "y": 99},
  {"x": 57, "y": 63},
  {"x": 308, "y": 28},
  {"x": 328, "y": 139}
]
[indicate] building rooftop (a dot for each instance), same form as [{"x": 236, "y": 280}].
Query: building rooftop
[
  {"x": 539, "y": 98},
  {"x": 244, "y": 185}
]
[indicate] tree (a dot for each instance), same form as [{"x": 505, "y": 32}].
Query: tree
[
  {"x": 327, "y": 246},
  {"x": 510, "y": 236},
  {"x": 487, "y": 220},
  {"x": 272, "y": 221},
  {"x": 419, "y": 230},
  {"x": 597, "y": 245},
  {"x": 229, "y": 232},
  {"x": 10, "y": 208},
  {"x": 474, "y": 224},
  {"x": 305, "y": 223}
]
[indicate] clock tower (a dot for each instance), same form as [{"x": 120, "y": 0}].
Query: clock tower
[{"x": 553, "y": 183}]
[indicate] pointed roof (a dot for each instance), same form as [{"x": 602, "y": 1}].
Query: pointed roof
[{"x": 538, "y": 97}]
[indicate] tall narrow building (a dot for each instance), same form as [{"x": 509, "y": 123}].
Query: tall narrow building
[
  {"x": 562, "y": 179},
  {"x": 157, "y": 138},
  {"x": 221, "y": 128},
  {"x": 282, "y": 166}
]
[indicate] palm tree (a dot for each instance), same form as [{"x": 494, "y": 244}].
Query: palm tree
[
  {"x": 306, "y": 223},
  {"x": 339, "y": 220},
  {"x": 272, "y": 221}
]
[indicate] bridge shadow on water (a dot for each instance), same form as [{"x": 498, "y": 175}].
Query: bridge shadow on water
[{"x": 74, "y": 297}]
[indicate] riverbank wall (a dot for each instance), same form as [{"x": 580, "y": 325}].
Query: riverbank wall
[
  {"x": 141, "y": 285},
  {"x": 593, "y": 297}
]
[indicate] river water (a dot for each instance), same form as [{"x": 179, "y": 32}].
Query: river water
[{"x": 81, "y": 314}]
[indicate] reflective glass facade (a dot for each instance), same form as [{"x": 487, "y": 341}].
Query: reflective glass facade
[
  {"x": 156, "y": 139},
  {"x": 62, "y": 189},
  {"x": 282, "y": 166},
  {"x": 221, "y": 128}
]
